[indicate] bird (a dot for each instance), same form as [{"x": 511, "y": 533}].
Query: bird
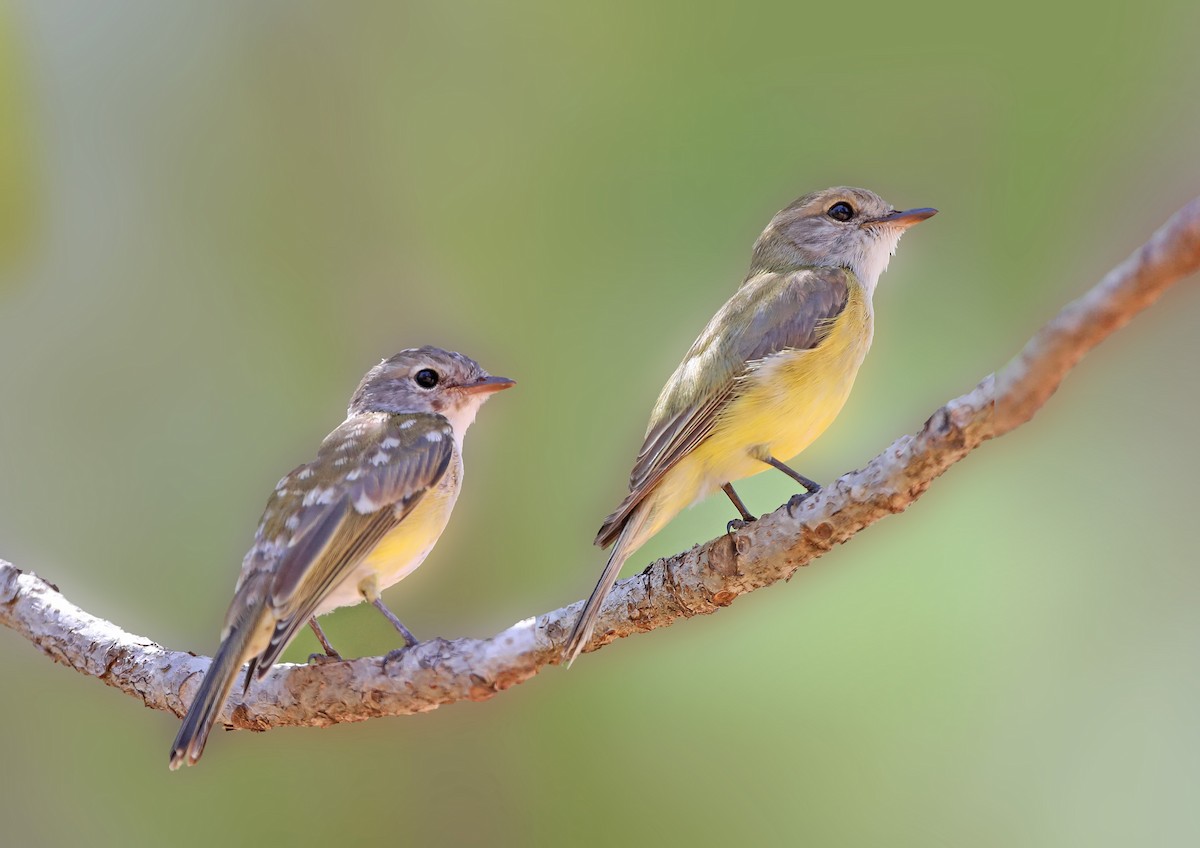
[
  {"x": 355, "y": 520},
  {"x": 765, "y": 377}
]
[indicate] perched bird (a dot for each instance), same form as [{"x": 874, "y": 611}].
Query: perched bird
[
  {"x": 355, "y": 520},
  {"x": 767, "y": 375}
]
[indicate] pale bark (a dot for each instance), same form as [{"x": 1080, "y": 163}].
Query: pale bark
[{"x": 699, "y": 581}]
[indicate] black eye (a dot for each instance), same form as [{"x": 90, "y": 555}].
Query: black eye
[
  {"x": 841, "y": 211},
  {"x": 426, "y": 378}
]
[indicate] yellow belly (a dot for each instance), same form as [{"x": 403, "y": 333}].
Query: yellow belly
[
  {"x": 404, "y": 548},
  {"x": 781, "y": 407}
]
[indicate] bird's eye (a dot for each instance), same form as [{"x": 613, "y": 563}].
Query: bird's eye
[
  {"x": 841, "y": 211},
  {"x": 426, "y": 378}
]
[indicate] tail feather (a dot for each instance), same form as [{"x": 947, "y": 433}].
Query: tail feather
[
  {"x": 626, "y": 544},
  {"x": 616, "y": 522},
  {"x": 214, "y": 689}
]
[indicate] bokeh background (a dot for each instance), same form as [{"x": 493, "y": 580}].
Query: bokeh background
[{"x": 215, "y": 217}]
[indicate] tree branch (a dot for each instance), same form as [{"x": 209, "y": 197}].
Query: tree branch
[{"x": 699, "y": 581}]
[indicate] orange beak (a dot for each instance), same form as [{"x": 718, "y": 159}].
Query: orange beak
[
  {"x": 903, "y": 220},
  {"x": 488, "y": 385}
]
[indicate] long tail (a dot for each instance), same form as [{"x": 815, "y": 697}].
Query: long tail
[
  {"x": 627, "y": 542},
  {"x": 214, "y": 689}
]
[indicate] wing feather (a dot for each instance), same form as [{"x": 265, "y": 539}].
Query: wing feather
[
  {"x": 366, "y": 479},
  {"x": 770, "y": 313}
]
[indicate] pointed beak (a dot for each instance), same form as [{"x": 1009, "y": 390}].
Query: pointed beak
[
  {"x": 902, "y": 220},
  {"x": 488, "y": 385}
]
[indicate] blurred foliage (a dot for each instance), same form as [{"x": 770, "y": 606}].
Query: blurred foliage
[
  {"x": 18, "y": 204},
  {"x": 241, "y": 207}
]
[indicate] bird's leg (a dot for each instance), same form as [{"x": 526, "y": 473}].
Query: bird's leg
[
  {"x": 405, "y": 633},
  {"x": 795, "y": 500},
  {"x": 811, "y": 486},
  {"x": 747, "y": 516},
  {"x": 330, "y": 655},
  {"x": 369, "y": 589}
]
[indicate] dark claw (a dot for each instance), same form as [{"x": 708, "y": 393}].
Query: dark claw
[
  {"x": 322, "y": 659},
  {"x": 794, "y": 502},
  {"x": 737, "y": 524},
  {"x": 394, "y": 656}
]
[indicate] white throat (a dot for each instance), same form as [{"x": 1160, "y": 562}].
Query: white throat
[
  {"x": 464, "y": 416},
  {"x": 873, "y": 260}
]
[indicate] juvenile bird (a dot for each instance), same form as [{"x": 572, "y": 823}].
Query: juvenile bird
[{"x": 344, "y": 527}]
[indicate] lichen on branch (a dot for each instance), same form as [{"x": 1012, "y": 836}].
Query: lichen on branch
[{"x": 695, "y": 582}]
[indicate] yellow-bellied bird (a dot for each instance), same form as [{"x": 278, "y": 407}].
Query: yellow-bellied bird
[
  {"x": 767, "y": 375},
  {"x": 357, "y": 519}
]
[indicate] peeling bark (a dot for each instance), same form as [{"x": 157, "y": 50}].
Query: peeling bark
[{"x": 696, "y": 582}]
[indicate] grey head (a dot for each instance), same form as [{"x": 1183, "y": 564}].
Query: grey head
[
  {"x": 427, "y": 379},
  {"x": 839, "y": 227}
]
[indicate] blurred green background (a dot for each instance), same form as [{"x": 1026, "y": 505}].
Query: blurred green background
[{"x": 215, "y": 217}]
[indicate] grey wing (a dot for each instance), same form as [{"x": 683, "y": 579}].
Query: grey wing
[
  {"x": 381, "y": 482},
  {"x": 772, "y": 312}
]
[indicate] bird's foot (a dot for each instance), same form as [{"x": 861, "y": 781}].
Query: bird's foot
[
  {"x": 322, "y": 659},
  {"x": 395, "y": 656},
  {"x": 738, "y": 523},
  {"x": 796, "y": 500}
]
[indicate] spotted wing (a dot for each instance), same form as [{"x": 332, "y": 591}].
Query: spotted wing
[
  {"x": 771, "y": 312},
  {"x": 328, "y": 515}
]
